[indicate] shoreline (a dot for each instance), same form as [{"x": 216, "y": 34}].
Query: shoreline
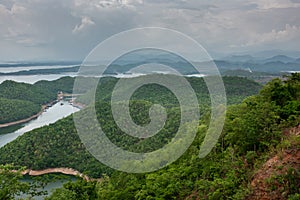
[
  {"x": 44, "y": 107},
  {"x": 61, "y": 170},
  {"x": 78, "y": 105},
  {"x": 24, "y": 120}
]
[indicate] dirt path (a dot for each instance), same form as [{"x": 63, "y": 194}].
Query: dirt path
[
  {"x": 67, "y": 171},
  {"x": 62, "y": 170}
]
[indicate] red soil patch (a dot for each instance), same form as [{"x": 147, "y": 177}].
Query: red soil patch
[{"x": 277, "y": 165}]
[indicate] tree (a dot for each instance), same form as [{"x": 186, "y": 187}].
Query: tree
[{"x": 11, "y": 184}]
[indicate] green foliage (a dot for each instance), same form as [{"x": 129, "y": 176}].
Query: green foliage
[
  {"x": 64, "y": 84},
  {"x": 285, "y": 94},
  {"x": 237, "y": 88},
  {"x": 45, "y": 147},
  {"x": 294, "y": 196},
  {"x": 251, "y": 129},
  {"x": 14, "y": 110},
  {"x": 79, "y": 190},
  {"x": 288, "y": 183},
  {"x": 11, "y": 184},
  {"x": 10, "y": 129},
  {"x": 23, "y": 91},
  {"x": 21, "y": 100},
  {"x": 252, "y": 125}
]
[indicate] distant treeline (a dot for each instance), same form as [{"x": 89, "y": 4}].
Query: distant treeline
[
  {"x": 30, "y": 64},
  {"x": 42, "y": 71}
]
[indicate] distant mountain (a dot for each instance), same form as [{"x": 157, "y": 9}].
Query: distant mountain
[
  {"x": 239, "y": 58},
  {"x": 273, "y": 67},
  {"x": 42, "y": 71},
  {"x": 26, "y": 64},
  {"x": 280, "y": 58},
  {"x": 297, "y": 60},
  {"x": 270, "y": 53}
]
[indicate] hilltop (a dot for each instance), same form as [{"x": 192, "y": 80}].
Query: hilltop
[{"x": 254, "y": 132}]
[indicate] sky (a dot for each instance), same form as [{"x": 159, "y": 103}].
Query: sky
[{"x": 70, "y": 29}]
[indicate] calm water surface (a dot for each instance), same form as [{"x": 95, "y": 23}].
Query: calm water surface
[
  {"x": 49, "y": 187},
  {"x": 52, "y": 114},
  {"x": 25, "y": 68},
  {"x": 34, "y": 78}
]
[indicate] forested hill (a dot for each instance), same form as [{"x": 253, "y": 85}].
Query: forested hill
[
  {"x": 50, "y": 140},
  {"x": 253, "y": 129},
  {"x": 23, "y": 91},
  {"x": 257, "y": 157},
  {"x": 14, "y": 109},
  {"x": 21, "y": 100},
  {"x": 237, "y": 88}
]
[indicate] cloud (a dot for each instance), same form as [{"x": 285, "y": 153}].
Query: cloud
[
  {"x": 14, "y": 10},
  {"x": 286, "y": 34},
  {"x": 105, "y": 4},
  {"x": 275, "y": 4},
  {"x": 59, "y": 28},
  {"x": 85, "y": 22},
  {"x": 17, "y": 9},
  {"x": 15, "y": 29}
]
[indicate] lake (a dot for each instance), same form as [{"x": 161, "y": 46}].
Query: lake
[
  {"x": 52, "y": 114},
  {"x": 50, "y": 77},
  {"x": 54, "y": 181},
  {"x": 36, "y": 67},
  {"x": 34, "y": 78}
]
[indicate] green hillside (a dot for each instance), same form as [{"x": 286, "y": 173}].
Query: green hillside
[
  {"x": 257, "y": 157},
  {"x": 23, "y": 91},
  {"x": 50, "y": 140},
  {"x": 13, "y": 109},
  {"x": 237, "y": 88},
  {"x": 253, "y": 130},
  {"x": 21, "y": 100}
]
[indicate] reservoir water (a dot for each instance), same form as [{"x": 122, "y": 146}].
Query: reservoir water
[
  {"x": 35, "y": 67},
  {"x": 56, "y": 181},
  {"x": 34, "y": 78},
  {"x": 52, "y": 114}
]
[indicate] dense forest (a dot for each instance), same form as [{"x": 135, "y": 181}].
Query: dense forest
[
  {"x": 256, "y": 130},
  {"x": 237, "y": 88},
  {"x": 21, "y": 100},
  {"x": 47, "y": 144},
  {"x": 14, "y": 109},
  {"x": 27, "y": 97}
]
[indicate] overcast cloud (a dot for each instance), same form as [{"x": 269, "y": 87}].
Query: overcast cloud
[{"x": 68, "y": 30}]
